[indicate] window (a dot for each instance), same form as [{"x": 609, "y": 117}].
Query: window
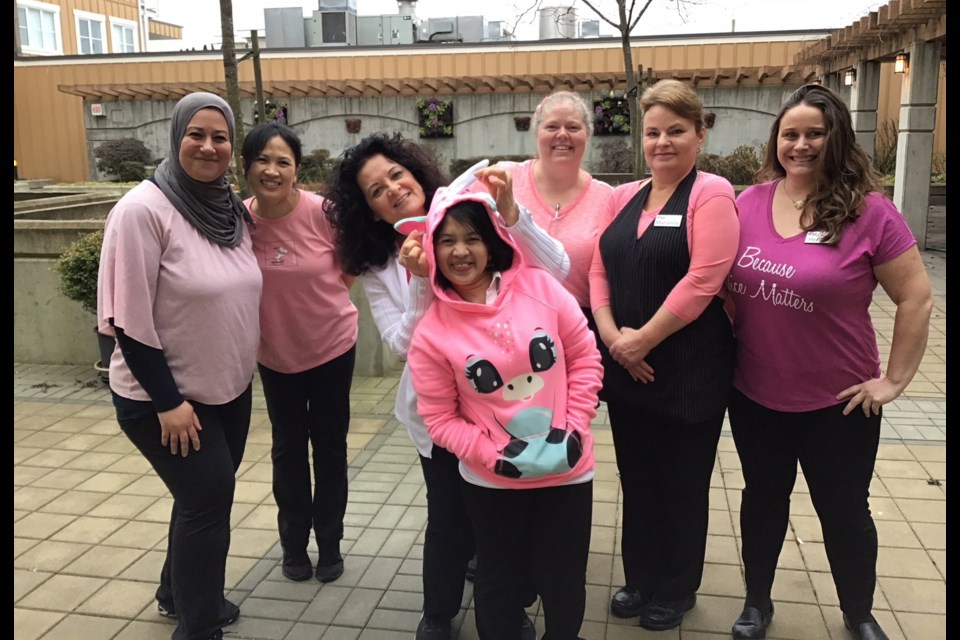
[
  {"x": 123, "y": 36},
  {"x": 39, "y": 27},
  {"x": 90, "y": 33}
]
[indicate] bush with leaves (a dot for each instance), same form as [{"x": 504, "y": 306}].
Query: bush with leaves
[
  {"x": 315, "y": 167},
  {"x": 885, "y": 148},
  {"x": 113, "y": 154},
  {"x": 738, "y": 167},
  {"x": 78, "y": 267},
  {"x": 616, "y": 156},
  {"x": 131, "y": 171}
]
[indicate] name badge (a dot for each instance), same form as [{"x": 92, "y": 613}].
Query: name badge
[
  {"x": 814, "y": 237},
  {"x": 667, "y": 221}
]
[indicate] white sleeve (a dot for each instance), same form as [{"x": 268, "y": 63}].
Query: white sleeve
[
  {"x": 395, "y": 318},
  {"x": 539, "y": 248}
]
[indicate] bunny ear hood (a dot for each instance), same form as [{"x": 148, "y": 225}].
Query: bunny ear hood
[{"x": 464, "y": 188}]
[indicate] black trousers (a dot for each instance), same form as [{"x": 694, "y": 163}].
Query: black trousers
[
  {"x": 202, "y": 486},
  {"x": 837, "y": 454},
  {"x": 665, "y": 473},
  {"x": 448, "y": 541},
  {"x": 310, "y": 409},
  {"x": 519, "y": 531}
]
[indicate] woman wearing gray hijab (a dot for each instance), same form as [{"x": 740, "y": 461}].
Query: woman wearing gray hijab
[{"x": 179, "y": 287}]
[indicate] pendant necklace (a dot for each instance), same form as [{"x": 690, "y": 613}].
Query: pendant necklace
[{"x": 797, "y": 204}]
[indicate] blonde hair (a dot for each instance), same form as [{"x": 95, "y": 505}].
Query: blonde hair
[
  {"x": 563, "y": 97},
  {"x": 676, "y": 96}
]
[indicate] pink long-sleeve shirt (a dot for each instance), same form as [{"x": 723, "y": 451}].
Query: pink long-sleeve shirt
[{"x": 713, "y": 233}]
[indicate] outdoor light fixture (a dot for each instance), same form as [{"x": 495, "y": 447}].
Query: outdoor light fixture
[
  {"x": 901, "y": 64},
  {"x": 850, "y": 77}
]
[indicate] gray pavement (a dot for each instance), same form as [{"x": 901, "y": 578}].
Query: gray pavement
[{"x": 90, "y": 525}]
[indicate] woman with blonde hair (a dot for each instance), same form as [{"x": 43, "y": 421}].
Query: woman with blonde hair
[
  {"x": 655, "y": 287},
  {"x": 560, "y": 195}
]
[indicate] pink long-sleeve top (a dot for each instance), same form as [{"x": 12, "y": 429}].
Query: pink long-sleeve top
[
  {"x": 577, "y": 226},
  {"x": 713, "y": 234}
]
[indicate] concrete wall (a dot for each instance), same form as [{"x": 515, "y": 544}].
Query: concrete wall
[
  {"x": 49, "y": 328},
  {"x": 483, "y": 123}
]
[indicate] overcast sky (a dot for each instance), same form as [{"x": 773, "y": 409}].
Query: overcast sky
[{"x": 201, "y": 18}]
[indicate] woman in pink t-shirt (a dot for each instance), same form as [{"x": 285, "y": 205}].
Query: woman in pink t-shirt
[
  {"x": 561, "y": 196},
  {"x": 308, "y": 335},
  {"x": 815, "y": 241}
]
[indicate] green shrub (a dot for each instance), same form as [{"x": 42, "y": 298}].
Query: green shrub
[
  {"x": 113, "y": 154},
  {"x": 460, "y": 165},
  {"x": 616, "y": 156},
  {"x": 938, "y": 168},
  {"x": 131, "y": 171},
  {"x": 315, "y": 167},
  {"x": 885, "y": 148},
  {"x": 78, "y": 267},
  {"x": 739, "y": 167}
]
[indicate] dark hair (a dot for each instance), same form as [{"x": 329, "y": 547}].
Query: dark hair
[
  {"x": 845, "y": 175},
  {"x": 260, "y": 135},
  {"x": 473, "y": 215},
  {"x": 363, "y": 242}
]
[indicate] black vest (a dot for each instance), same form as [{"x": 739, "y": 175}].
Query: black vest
[{"x": 693, "y": 368}]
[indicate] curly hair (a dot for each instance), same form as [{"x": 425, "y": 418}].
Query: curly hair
[
  {"x": 845, "y": 173},
  {"x": 363, "y": 242}
]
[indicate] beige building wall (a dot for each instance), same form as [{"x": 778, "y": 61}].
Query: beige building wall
[{"x": 50, "y": 139}]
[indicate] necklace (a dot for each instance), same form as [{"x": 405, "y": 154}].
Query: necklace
[{"x": 797, "y": 204}]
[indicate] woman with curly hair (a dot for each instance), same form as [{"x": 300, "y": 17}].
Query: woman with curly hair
[
  {"x": 815, "y": 240},
  {"x": 377, "y": 183}
]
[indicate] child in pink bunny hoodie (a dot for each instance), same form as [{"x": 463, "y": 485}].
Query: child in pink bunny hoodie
[{"x": 507, "y": 374}]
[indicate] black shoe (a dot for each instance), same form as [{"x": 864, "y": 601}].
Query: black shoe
[
  {"x": 433, "y": 628},
  {"x": 752, "y": 624},
  {"x": 659, "y": 614},
  {"x": 867, "y": 630},
  {"x": 329, "y": 572},
  {"x": 471, "y": 574},
  {"x": 167, "y": 610},
  {"x": 627, "y": 602},
  {"x": 296, "y": 566},
  {"x": 528, "y": 630}
]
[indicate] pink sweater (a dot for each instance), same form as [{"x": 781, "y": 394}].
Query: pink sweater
[
  {"x": 167, "y": 286},
  {"x": 518, "y": 369},
  {"x": 577, "y": 225},
  {"x": 713, "y": 232},
  {"x": 306, "y": 317}
]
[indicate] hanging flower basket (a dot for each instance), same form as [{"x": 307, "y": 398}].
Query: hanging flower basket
[
  {"x": 353, "y": 125},
  {"x": 522, "y": 123},
  {"x": 435, "y": 117},
  {"x": 611, "y": 115}
]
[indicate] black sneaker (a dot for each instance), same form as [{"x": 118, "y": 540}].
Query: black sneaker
[
  {"x": 167, "y": 610},
  {"x": 433, "y": 628},
  {"x": 660, "y": 614},
  {"x": 329, "y": 572},
  {"x": 296, "y": 567},
  {"x": 627, "y": 602}
]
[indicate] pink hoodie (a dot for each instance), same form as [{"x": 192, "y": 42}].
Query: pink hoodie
[{"x": 509, "y": 387}]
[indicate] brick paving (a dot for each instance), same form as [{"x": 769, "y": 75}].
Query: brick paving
[{"x": 90, "y": 524}]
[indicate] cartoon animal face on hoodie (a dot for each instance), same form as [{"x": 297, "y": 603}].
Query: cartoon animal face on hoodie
[{"x": 506, "y": 357}]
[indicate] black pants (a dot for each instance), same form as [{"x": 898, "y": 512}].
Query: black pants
[
  {"x": 202, "y": 486},
  {"x": 519, "y": 531},
  {"x": 311, "y": 408},
  {"x": 837, "y": 454},
  {"x": 448, "y": 542},
  {"x": 665, "y": 473}
]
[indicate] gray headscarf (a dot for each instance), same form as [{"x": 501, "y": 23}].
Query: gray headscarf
[{"x": 212, "y": 207}]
